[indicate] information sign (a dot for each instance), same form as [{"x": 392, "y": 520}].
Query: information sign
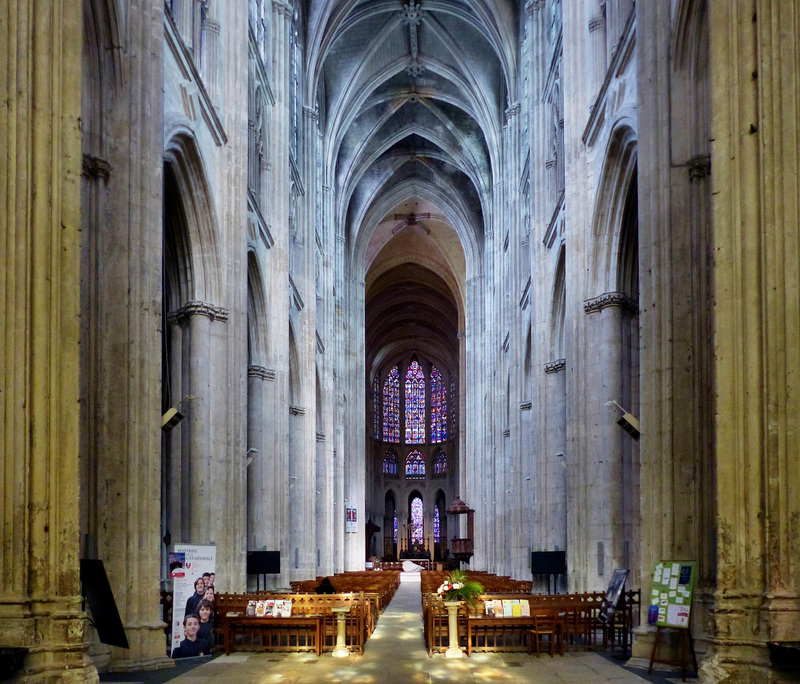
[{"x": 671, "y": 594}]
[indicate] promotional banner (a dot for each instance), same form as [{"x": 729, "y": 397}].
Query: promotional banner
[
  {"x": 188, "y": 563},
  {"x": 351, "y": 522}
]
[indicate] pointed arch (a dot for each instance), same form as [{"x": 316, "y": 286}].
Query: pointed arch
[
  {"x": 619, "y": 170},
  {"x": 199, "y": 243}
]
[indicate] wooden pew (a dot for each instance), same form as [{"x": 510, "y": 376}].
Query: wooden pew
[{"x": 285, "y": 634}]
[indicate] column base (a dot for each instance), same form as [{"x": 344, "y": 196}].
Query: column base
[
  {"x": 341, "y": 652},
  {"x": 454, "y": 653}
]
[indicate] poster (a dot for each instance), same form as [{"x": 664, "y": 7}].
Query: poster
[
  {"x": 351, "y": 521},
  {"x": 671, "y": 594},
  {"x": 187, "y": 563}
]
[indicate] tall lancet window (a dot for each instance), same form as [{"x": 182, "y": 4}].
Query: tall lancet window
[
  {"x": 376, "y": 408},
  {"x": 415, "y": 404},
  {"x": 437, "y": 536},
  {"x": 391, "y": 407},
  {"x": 416, "y": 520},
  {"x": 438, "y": 407}
]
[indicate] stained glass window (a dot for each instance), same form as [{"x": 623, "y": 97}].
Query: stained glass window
[
  {"x": 415, "y": 404},
  {"x": 440, "y": 463},
  {"x": 436, "y": 532},
  {"x": 438, "y": 407},
  {"x": 390, "y": 463},
  {"x": 395, "y": 527},
  {"x": 415, "y": 466},
  {"x": 452, "y": 406},
  {"x": 416, "y": 520},
  {"x": 391, "y": 407},
  {"x": 376, "y": 408}
]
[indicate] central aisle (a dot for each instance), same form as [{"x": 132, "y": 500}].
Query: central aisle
[{"x": 395, "y": 654}]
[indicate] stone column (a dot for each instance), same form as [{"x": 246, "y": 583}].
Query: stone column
[
  {"x": 596, "y": 50},
  {"x": 210, "y": 53},
  {"x": 756, "y": 218},
  {"x": 40, "y": 162},
  {"x": 277, "y": 400}
]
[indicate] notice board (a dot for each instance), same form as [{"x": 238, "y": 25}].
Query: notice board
[{"x": 671, "y": 594}]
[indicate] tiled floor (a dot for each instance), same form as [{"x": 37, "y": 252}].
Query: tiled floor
[{"x": 395, "y": 654}]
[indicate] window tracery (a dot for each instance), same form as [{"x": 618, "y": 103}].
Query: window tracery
[
  {"x": 391, "y": 407},
  {"x": 415, "y": 404},
  {"x": 415, "y": 466},
  {"x": 416, "y": 520},
  {"x": 390, "y": 463},
  {"x": 438, "y": 407}
]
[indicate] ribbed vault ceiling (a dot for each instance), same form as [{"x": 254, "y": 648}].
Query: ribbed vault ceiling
[{"x": 412, "y": 96}]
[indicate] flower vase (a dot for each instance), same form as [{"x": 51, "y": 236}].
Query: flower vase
[{"x": 454, "y": 651}]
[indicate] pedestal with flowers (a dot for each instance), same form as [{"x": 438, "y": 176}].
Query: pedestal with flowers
[{"x": 455, "y": 590}]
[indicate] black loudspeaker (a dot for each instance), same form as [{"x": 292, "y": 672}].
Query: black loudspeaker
[
  {"x": 264, "y": 563},
  {"x": 96, "y": 589},
  {"x": 548, "y": 562}
]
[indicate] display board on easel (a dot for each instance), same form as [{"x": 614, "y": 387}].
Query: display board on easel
[
  {"x": 671, "y": 608},
  {"x": 671, "y": 593}
]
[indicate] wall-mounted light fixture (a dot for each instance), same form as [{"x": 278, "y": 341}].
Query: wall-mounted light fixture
[
  {"x": 627, "y": 421},
  {"x": 172, "y": 416},
  {"x": 251, "y": 450}
]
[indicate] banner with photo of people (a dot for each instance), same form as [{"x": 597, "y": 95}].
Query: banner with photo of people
[{"x": 192, "y": 569}]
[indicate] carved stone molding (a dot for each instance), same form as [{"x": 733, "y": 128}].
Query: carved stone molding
[
  {"x": 596, "y": 23},
  {"x": 297, "y": 410},
  {"x": 261, "y": 372},
  {"x": 95, "y": 167},
  {"x": 555, "y": 366},
  {"x": 619, "y": 299},
  {"x": 212, "y": 25},
  {"x": 282, "y": 7},
  {"x": 320, "y": 436},
  {"x": 199, "y": 308},
  {"x": 312, "y": 114},
  {"x": 513, "y": 110},
  {"x": 507, "y": 432},
  {"x": 700, "y": 167},
  {"x": 526, "y": 406}
]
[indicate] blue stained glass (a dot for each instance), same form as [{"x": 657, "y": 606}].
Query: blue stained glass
[
  {"x": 436, "y": 533},
  {"x": 376, "y": 408},
  {"x": 395, "y": 527},
  {"x": 438, "y": 407},
  {"x": 415, "y": 466},
  {"x": 391, "y": 407},
  {"x": 415, "y": 404},
  {"x": 390, "y": 463},
  {"x": 416, "y": 520},
  {"x": 440, "y": 463}
]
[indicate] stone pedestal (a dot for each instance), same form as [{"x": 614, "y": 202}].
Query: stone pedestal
[
  {"x": 341, "y": 650},
  {"x": 454, "y": 650}
]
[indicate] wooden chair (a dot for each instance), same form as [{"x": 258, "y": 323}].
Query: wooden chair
[{"x": 545, "y": 624}]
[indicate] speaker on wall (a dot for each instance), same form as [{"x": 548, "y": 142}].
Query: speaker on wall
[
  {"x": 263, "y": 562},
  {"x": 548, "y": 562}
]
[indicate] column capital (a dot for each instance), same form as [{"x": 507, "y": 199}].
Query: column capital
[
  {"x": 199, "y": 308},
  {"x": 261, "y": 372},
  {"x": 282, "y": 7},
  {"x": 618, "y": 299}
]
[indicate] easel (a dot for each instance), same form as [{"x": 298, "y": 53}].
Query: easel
[{"x": 686, "y": 638}]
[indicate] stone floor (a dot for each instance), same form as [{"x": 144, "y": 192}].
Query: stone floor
[{"x": 395, "y": 654}]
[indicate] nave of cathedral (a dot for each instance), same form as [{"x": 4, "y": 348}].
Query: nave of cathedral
[{"x": 316, "y": 276}]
